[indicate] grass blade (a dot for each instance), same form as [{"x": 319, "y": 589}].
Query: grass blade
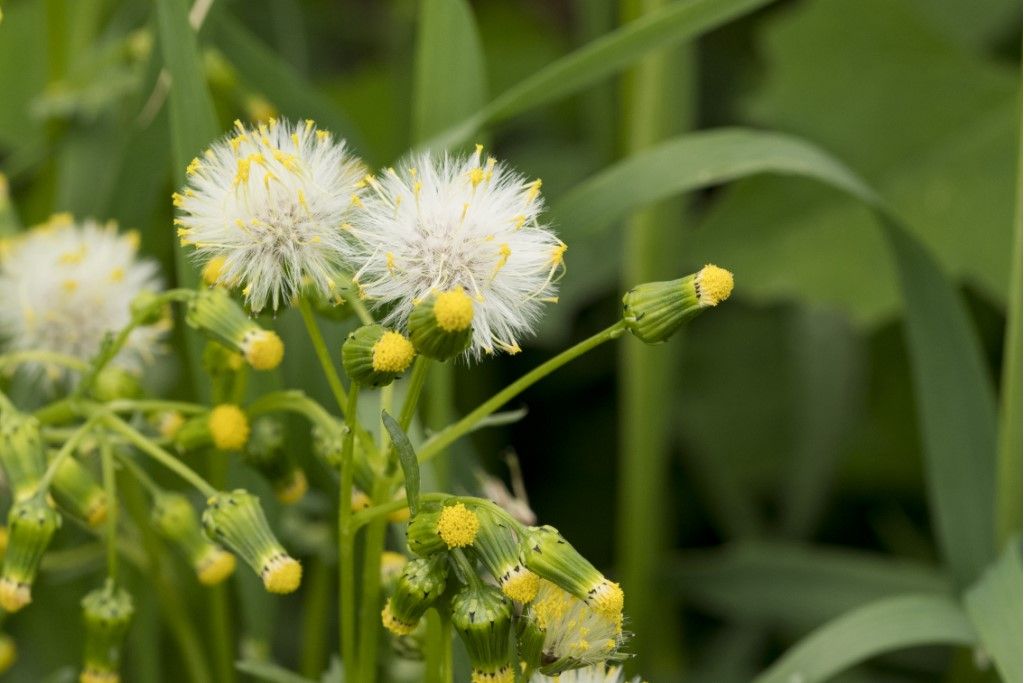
[
  {"x": 883, "y": 626},
  {"x": 994, "y": 606},
  {"x": 676, "y": 23},
  {"x": 407, "y": 458},
  {"x": 450, "y": 82},
  {"x": 956, "y": 410},
  {"x": 793, "y": 585}
]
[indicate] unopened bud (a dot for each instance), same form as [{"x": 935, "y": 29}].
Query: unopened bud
[
  {"x": 497, "y": 546},
  {"x": 107, "y": 613},
  {"x": 417, "y": 588},
  {"x": 441, "y": 326},
  {"x": 655, "y": 310},
  {"x": 21, "y": 453},
  {"x": 374, "y": 356},
  {"x": 482, "y": 617},
  {"x": 214, "y": 312},
  {"x": 176, "y": 520},
  {"x": 31, "y": 524},
  {"x": 78, "y": 492}
]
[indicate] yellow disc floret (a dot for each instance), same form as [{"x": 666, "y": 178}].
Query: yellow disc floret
[
  {"x": 282, "y": 574},
  {"x": 457, "y": 525},
  {"x": 607, "y": 598},
  {"x": 14, "y": 595},
  {"x": 453, "y": 310},
  {"x": 263, "y": 349},
  {"x": 503, "y": 675},
  {"x": 295, "y": 489},
  {"x": 212, "y": 270},
  {"x": 520, "y": 585},
  {"x": 714, "y": 285},
  {"x": 399, "y": 628},
  {"x": 392, "y": 353},
  {"x": 229, "y": 427},
  {"x": 217, "y": 565}
]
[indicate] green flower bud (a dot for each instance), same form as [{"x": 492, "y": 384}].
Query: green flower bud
[
  {"x": 441, "y": 326},
  {"x": 115, "y": 383},
  {"x": 417, "y": 588},
  {"x": 655, "y": 310},
  {"x": 21, "y": 453},
  {"x": 78, "y": 492},
  {"x": 482, "y": 617},
  {"x": 214, "y": 312},
  {"x": 148, "y": 308},
  {"x": 266, "y": 453},
  {"x": 31, "y": 524},
  {"x": 550, "y": 556},
  {"x": 497, "y": 546},
  {"x": 374, "y": 356},
  {"x": 107, "y": 612},
  {"x": 176, "y": 520},
  {"x": 236, "y": 519},
  {"x": 442, "y": 528},
  {"x": 191, "y": 434}
]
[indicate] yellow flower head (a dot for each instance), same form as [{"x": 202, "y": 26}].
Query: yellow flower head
[
  {"x": 391, "y": 623},
  {"x": 453, "y": 310},
  {"x": 263, "y": 349},
  {"x": 229, "y": 427},
  {"x": 457, "y": 525},
  {"x": 217, "y": 565},
  {"x": 392, "y": 353},
  {"x": 283, "y": 574},
  {"x": 714, "y": 285}
]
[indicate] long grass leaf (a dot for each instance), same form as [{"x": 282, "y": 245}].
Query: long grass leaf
[
  {"x": 956, "y": 410},
  {"x": 884, "y": 626},
  {"x": 994, "y": 606},
  {"x": 676, "y": 23}
]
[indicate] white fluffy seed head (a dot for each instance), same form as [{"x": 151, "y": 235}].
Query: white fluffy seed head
[
  {"x": 438, "y": 223},
  {"x": 597, "y": 673},
  {"x": 573, "y": 630},
  {"x": 272, "y": 201},
  {"x": 66, "y": 285}
]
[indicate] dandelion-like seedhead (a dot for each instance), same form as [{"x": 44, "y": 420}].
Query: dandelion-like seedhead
[
  {"x": 591, "y": 674},
  {"x": 439, "y": 223},
  {"x": 66, "y": 285},
  {"x": 267, "y": 206}
]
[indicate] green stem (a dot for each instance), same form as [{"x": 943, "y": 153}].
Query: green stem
[
  {"x": 451, "y": 433},
  {"x": 295, "y": 401},
  {"x": 346, "y": 544},
  {"x": 36, "y": 356},
  {"x": 323, "y": 354},
  {"x": 314, "y": 619},
  {"x": 465, "y": 568},
  {"x": 219, "y": 610},
  {"x": 65, "y": 452},
  {"x": 110, "y": 488},
  {"x": 140, "y": 474},
  {"x": 160, "y": 455},
  {"x": 438, "y": 666},
  {"x": 419, "y": 375},
  {"x": 369, "y": 615},
  {"x": 440, "y": 411}
]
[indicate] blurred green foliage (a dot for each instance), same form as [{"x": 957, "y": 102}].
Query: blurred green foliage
[{"x": 797, "y": 485}]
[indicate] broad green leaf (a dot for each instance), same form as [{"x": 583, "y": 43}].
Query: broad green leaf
[
  {"x": 266, "y": 72},
  {"x": 407, "y": 458},
  {"x": 449, "y": 81},
  {"x": 956, "y": 411},
  {"x": 933, "y": 128},
  {"x": 884, "y": 626},
  {"x": 793, "y": 585},
  {"x": 994, "y": 606},
  {"x": 680, "y": 21}
]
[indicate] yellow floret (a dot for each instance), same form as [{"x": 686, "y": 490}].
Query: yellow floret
[
  {"x": 399, "y": 628},
  {"x": 295, "y": 490},
  {"x": 14, "y": 595},
  {"x": 457, "y": 525},
  {"x": 263, "y": 349},
  {"x": 607, "y": 598},
  {"x": 521, "y": 585},
  {"x": 282, "y": 575},
  {"x": 97, "y": 512},
  {"x": 212, "y": 270},
  {"x": 453, "y": 310},
  {"x": 503, "y": 675},
  {"x": 392, "y": 353},
  {"x": 229, "y": 427},
  {"x": 216, "y": 565},
  {"x": 714, "y": 285}
]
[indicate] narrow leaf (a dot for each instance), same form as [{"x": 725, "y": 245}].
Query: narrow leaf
[
  {"x": 883, "y": 626},
  {"x": 994, "y": 606},
  {"x": 450, "y": 67},
  {"x": 408, "y": 460},
  {"x": 676, "y": 23},
  {"x": 793, "y": 585},
  {"x": 956, "y": 410},
  {"x": 268, "y": 671}
]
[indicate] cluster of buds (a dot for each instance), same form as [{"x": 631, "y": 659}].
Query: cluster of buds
[
  {"x": 528, "y": 595},
  {"x": 176, "y": 520}
]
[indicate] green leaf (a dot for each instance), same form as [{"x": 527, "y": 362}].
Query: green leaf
[
  {"x": 270, "y": 672},
  {"x": 1011, "y": 439},
  {"x": 932, "y": 127},
  {"x": 793, "y": 585},
  {"x": 450, "y": 80},
  {"x": 264, "y": 71},
  {"x": 682, "y": 20},
  {"x": 883, "y": 626},
  {"x": 407, "y": 458},
  {"x": 994, "y": 606},
  {"x": 956, "y": 411}
]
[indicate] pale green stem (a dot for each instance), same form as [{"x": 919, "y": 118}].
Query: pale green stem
[
  {"x": 369, "y": 615},
  {"x": 451, "y": 433},
  {"x": 323, "y": 355},
  {"x": 346, "y": 543},
  {"x": 160, "y": 455},
  {"x": 438, "y": 666},
  {"x": 110, "y": 488},
  {"x": 387, "y": 401},
  {"x": 314, "y": 618},
  {"x": 293, "y": 400},
  {"x": 221, "y": 629},
  {"x": 65, "y": 452},
  {"x": 36, "y": 356},
  {"x": 412, "y": 396},
  {"x": 438, "y": 412}
]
